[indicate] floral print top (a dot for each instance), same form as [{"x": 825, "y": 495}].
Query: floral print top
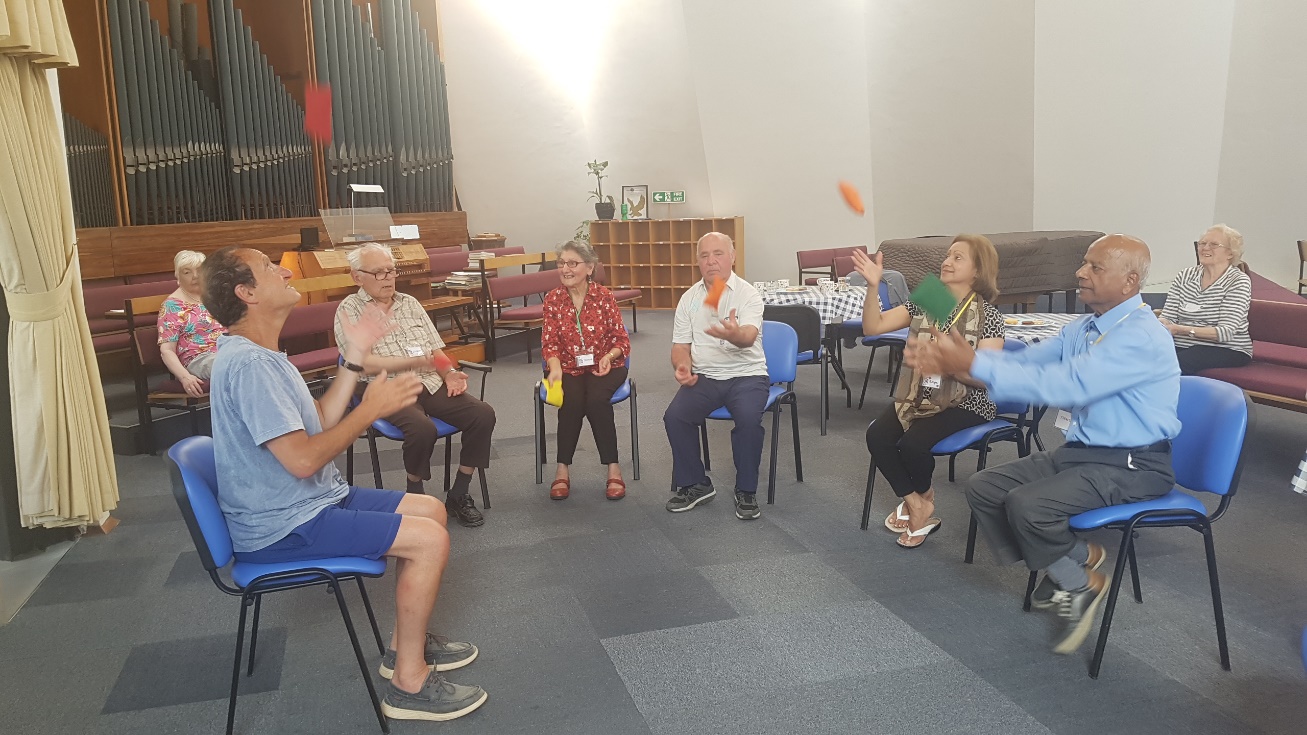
[
  {"x": 601, "y": 328},
  {"x": 191, "y": 326}
]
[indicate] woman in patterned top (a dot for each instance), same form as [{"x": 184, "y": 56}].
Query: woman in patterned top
[
  {"x": 584, "y": 345},
  {"x": 188, "y": 334},
  {"x": 1206, "y": 310},
  {"x": 928, "y": 408}
]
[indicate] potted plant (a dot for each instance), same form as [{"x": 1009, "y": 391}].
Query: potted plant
[{"x": 604, "y": 206}]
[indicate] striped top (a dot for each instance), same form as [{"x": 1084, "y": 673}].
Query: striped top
[{"x": 1223, "y": 305}]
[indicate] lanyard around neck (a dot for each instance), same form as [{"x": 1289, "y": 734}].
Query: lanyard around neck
[
  {"x": 1103, "y": 334},
  {"x": 579, "y": 331},
  {"x": 961, "y": 311}
]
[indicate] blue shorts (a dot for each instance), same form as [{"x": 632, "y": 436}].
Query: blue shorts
[{"x": 363, "y": 524}]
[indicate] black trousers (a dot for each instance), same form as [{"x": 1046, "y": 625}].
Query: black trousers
[
  {"x": 589, "y": 396},
  {"x": 904, "y": 458},
  {"x": 1194, "y": 360},
  {"x": 474, "y": 417}
]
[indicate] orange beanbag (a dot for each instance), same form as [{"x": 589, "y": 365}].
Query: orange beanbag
[
  {"x": 852, "y": 197},
  {"x": 715, "y": 291}
]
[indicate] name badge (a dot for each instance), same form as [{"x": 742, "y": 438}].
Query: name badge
[
  {"x": 1063, "y": 421},
  {"x": 416, "y": 351},
  {"x": 930, "y": 381},
  {"x": 1191, "y": 308},
  {"x": 585, "y": 360}
]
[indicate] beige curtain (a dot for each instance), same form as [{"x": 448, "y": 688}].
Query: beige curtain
[{"x": 66, "y": 474}]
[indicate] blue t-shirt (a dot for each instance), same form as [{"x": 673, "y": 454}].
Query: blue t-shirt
[{"x": 256, "y": 395}]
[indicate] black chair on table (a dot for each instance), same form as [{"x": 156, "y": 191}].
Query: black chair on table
[{"x": 806, "y": 323}]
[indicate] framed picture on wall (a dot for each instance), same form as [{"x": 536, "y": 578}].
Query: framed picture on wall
[{"x": 635, "y": 202}]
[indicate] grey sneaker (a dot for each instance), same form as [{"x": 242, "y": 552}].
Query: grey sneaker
[
  {"x": 746, "y": 506},
  {"x": 1077, "y": 610},
  {"x": 441, "y": 655},
  {"x": 1042, "y": 598},
  {"x": 686, "y": 498},
  {"x": 439, "y": 700}
]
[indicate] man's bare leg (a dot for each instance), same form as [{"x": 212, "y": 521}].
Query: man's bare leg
[
  {"x": 419, "y": 506},
  {"x": 422, "y": 546}
]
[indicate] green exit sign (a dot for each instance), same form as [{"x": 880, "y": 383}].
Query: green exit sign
[{"x": 669, "y": 197}]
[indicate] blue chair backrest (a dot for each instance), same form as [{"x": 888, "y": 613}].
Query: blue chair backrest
[
  {"x": 1213, "y": 425},
  {"x": 883, "y": 291},
  {"x": 195, "y": 487},
  {"x": 780, "y": 344}
]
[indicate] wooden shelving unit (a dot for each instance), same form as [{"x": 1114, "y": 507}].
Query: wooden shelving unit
[{"x": 658, "y": 256}]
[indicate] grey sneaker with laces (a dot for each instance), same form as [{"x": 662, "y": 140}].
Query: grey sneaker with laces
[
  {"x": 1042, "y": 597},
  {"x": 439, "y": 700},
  {"x": 687, "y": 498},
  {"x": 1077, "y": 608},
  {"x": 441, "y": 654},
  {"x": 746, "y": 506}
]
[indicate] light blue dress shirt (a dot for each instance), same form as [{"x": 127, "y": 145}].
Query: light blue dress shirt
[{"x": 1117, "y": 374}]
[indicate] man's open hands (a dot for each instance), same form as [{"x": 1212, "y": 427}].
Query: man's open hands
[
  {"x": 384, "y": 397},
  {"x": 946, "y": 354}
]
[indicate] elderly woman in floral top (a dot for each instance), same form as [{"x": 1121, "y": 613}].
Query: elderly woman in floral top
[
  {"x": 188, "y": 334},
  {"x": 585, "y": 345}
]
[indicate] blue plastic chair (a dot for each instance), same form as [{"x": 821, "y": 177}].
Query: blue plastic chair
[
  {"x": 1207, "y": 457},
  {"x": 780, "y": 344},
  {"x": 194, "y": 485},
  {"x": 977, "y": 437},
  {"x": 384, "y": 428},
  {"x": 895, "y": 341},
  {"x": 625, "y": 391},
  {"x": 806, "y": 322}
]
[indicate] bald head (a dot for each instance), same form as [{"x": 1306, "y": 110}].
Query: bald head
[
  {"x": 1115, "y": 269},
  {"x": 716, "y": 256}
]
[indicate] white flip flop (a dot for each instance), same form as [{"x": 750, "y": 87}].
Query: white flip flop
[
  {"x": 899, "y": 514},
  {"x": 931, "y": 526}
]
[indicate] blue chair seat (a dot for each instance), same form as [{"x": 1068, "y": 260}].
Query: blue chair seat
[
  {"x": 899, "y": 335},
  {"x": 961, "y": 440},
  {"x": 622, "y": 393},
  {"x": 242, "y": 573},
  {"x": 1174, "y": 500},
  {"x": 773, "y": 392},
  {"x": 392, "y": 432}
]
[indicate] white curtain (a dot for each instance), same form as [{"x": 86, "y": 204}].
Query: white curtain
[{"x": 66, "y": 474}]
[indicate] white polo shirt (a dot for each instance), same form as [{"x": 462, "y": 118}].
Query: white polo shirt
[{"x": 712, "y": 357}]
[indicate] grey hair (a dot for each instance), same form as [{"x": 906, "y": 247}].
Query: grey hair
[
  {"x": 1137, "y": 263},
  {"x": 186, "y": 259},
  {"x": 714, "y": 234},
  {"x": 1233, "y": 240},
  {"x": 355, "y": 256},
  {"x": 581, "y": 248}
]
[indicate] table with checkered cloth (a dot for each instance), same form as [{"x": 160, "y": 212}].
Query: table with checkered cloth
[
  {"x": 1050, "y": 326},
  {"x": 835, "y": 307},
  {"x": 1300, "y": 479}
]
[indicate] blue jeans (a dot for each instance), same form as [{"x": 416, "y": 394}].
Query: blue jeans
[{"x": 745, "y": 398}]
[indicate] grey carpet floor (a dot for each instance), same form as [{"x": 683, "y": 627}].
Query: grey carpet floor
[{"x": 602, "y": 617}]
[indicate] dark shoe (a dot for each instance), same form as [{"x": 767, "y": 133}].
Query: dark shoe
[
  {"x": 746, "y": 506},
  {"x": 1042, "y": 598},
  {"x": 439, "y": 700},
  {"x": 686, "y": 498},
  {"x": 1077, "y": 608},
  {"x": 465, "y": 510},
  {"x": 415, "y": 486},
  {"x": 441, "y": 655}
]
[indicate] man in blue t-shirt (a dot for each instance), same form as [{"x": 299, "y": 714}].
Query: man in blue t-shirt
[{"x": 284, "y": 499}]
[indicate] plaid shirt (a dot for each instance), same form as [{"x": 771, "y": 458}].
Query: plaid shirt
[{"x": 413, "y": 333}]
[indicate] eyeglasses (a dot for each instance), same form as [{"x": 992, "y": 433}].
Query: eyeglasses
[
  {"x": 382, "y": 275},
  {"x": 570, "y": 263},
  {"x": 1205, "y": 245}
]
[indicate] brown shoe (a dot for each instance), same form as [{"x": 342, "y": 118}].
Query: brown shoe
[
  {"x": 560, "y": 489},
  {"x": 615, "y": 493},
  {"x": 1095, "y": 556}
]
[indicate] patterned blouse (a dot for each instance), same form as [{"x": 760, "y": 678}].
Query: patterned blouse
[
  {"x": 600, "y": 320},
  {"x": 991, "y": 327},
  {"x": 191, "y": 326}
]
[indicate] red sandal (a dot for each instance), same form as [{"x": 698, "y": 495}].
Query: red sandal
[
  {"x": 560, "y": 489},
  {"x": 615, "y": 493}
]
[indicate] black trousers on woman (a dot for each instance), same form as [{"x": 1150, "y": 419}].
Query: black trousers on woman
[
  {"x": 904, "y": 458},
  {"x": 589, "y": 396},
  {"x": 1194, "y": 360}
]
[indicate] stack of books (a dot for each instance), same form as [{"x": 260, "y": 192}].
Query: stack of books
[
  {"x": 463, "y": 279},
  {"x": 474, "y": 259}
]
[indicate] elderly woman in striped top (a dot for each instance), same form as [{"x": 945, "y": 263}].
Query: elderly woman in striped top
[{"x": 1207, "y": 308}]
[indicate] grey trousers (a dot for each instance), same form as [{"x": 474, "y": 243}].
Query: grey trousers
[{"x": 1023, "y": 507}]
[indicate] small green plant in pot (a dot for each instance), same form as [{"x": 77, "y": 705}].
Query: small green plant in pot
[{"x": 604, "y": 206}]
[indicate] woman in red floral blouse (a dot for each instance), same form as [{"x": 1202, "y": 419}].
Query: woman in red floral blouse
[{"x": 585, "y": 345}]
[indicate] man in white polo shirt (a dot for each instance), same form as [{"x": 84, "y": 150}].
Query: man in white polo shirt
[{"x": 718, "y": 359}]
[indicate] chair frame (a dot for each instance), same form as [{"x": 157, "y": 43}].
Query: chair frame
[
  {"x": 821, "y": 354},
  {"x": 252, "y": 595},
  {"x": 1302, "y": 265},
  {"x": 542, "y": 448},
  {"x": 875, "y": 341}
]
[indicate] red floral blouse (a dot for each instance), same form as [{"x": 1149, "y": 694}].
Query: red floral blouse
[{"x": 600, "y": 320}]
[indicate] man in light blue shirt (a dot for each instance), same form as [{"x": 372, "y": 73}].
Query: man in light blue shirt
[{"x": 1116, "y": 379}]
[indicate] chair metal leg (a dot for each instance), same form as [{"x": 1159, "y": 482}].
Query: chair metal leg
[
  {"x": 866, "y": 378},
  {"x": 349, "y": 464},
  {"x": 896, "y": 358},
  {"x": 971, "y": 540},
  {"x": 635, "y": 434},
  {"x": 372, "y": 618},
  {"x": 358, "y": 654},
  {"x": 825, "y": 391},
  {"x": 794, "y": 428},
  {"x": 538, "y": 419},
  {"x": 1030, "y": 588},
  {"x": 775, "y": 436},
  {"x": 1134, "y": 575},
  {"x": 449, "y": 460},
  {"x": 254, "y": 633},
  {"x": 485, "y": 489},
  {"x": 951, "y": 466},
  {"x": 703, "y": 440},
  {"x": 871, "y": 485},
  {"x": 236, "y": 666},
  {"x": 1217, "y": 610},
  {"x": 376, "y": 461},
  {"x": 1122, "y": 554},
  {"x": 635, "y": 323}
]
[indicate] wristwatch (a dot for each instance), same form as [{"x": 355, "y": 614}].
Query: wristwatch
[
  {"x": 1191, "y": 333},
  {"x": 351, "y": 366}
]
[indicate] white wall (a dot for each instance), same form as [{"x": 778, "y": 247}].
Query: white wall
[
  {"x": 1129, "y": 101},
  {"x": 951, "y": 88},
  {"x": 1263, "y": 181}
]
